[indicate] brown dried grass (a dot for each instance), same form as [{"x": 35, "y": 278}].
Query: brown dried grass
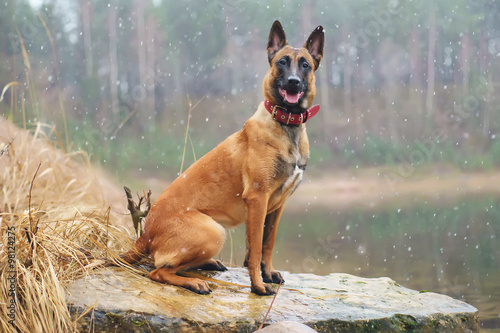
[{"x": 64, "y": 215}]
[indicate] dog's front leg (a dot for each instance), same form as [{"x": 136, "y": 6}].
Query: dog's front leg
[
  {"x": 256, "y": 205},
  {"x": 269, "y": 274}
]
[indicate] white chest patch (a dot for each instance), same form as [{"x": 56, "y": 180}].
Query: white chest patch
[{"x": 294, "y": 180}]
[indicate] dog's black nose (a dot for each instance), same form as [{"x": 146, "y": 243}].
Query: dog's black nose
[{"x": 293, "y": 81}]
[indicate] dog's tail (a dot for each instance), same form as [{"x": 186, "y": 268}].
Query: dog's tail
[{"x": 138, "y": 251}]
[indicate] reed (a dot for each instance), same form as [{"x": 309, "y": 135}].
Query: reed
[{"x": 58, "y": 219}]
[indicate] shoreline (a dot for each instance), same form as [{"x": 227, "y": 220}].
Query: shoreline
[{"x": 375, "y": 188}]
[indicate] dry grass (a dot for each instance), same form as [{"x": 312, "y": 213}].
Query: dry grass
[{"x": 61, "y": 219}]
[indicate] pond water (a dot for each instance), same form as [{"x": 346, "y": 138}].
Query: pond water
[{"x": 452, "y": 248}]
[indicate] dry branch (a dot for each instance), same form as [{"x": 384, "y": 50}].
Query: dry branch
[{"x": 135, "y": 209}]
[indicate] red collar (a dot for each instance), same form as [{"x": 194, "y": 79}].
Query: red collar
[{"x": 279, "y": 114}]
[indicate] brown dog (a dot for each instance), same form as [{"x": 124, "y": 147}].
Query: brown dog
[{"x": 246, "y": 178}]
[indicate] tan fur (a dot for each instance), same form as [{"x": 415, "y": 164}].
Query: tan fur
[{"x": 246, "y": 178}]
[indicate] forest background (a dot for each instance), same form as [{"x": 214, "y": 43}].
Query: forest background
[{"x": 407, "y": 84}]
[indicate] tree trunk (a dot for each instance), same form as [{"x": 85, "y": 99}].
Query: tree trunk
[
  {"x": 55, "y": 48},
  {"x": 306, "y": 17},
  {"x": 325, "y": 99},
  {"x": 431, "y": 54},
  {"x": 487, "y": 110},
  {"x": 151, "y": 69},
  {"x": 307, "y": 26},
  {"x": 483, "y": 53},
  {"x": 416, "y": 78},
  {"x": 141, "y": 94},
  {"x": 348, "y": 84},
  {"x": 483, "y": 68},
  {"x": 141, "y": 39},
  {"x": 87, "y": 36},
  {"x": 113, "y": 66},
  {"x": 415, "y": 58},
  {"x": 464, "y": 62}
]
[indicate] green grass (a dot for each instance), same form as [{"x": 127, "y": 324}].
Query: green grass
[
  {"x": 378, "y": 152},
  {"x": 163, "y": 151}
]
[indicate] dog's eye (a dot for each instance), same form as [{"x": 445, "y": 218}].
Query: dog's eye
[
  {"x": 282, "y": 62},
  {"x": 305, "y": 65}
]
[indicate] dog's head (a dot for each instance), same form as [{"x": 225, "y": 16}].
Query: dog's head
[{"x": 290, "y": 81}]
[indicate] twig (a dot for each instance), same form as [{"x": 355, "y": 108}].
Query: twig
[
  {"x": 29, "y": 199},
  {"x": 186, "y": 134},
  {"x": 191, "y": 108},
  {"x": 129, "y": 115},
  {"x": 33, "y": 229},
  {"x": 270, "y": 306},
  {"x": 4, "y": 90},
  {"x": 148, "y": 203}
]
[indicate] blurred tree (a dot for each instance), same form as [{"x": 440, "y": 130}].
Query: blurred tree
[
  {"x": 431, "y": 60},
  {"x": 189, "y": 25},
  {"x": 113, "y": 55},
  {"x": 86, "y": 33}
]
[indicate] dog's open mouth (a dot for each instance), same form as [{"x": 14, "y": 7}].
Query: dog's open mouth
[{"x": 291, "y": 98}]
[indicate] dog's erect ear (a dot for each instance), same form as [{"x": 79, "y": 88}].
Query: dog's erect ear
[
  {"x": 277, "y": 40},
  {"x": 314, "y": 45}
]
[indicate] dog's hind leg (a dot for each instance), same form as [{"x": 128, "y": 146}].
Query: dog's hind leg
[
  {"x": 211, "y": 265},
  {"x": 138, "y": 251},
  {"x": 190, "y": 246},
  {"x": 168, "y": 275}
]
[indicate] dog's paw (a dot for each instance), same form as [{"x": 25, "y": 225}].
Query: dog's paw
[
  {"x": 272, "y": 277},
  {"x": 219, "y": 266},
  {"x": 263, "y": 289},
  {"x": 198, "y": 286},
  {"x": 213, "y": 265}
]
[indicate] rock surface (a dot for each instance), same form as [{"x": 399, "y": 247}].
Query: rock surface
[
  {"x": 122, "y": 301},
  {"x": 287, "y": 327}
]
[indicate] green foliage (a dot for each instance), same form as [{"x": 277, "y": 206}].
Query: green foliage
[
  {"x": 320, "y": 154},
  {"x": 494, "y": 152},
  {"x": 379, "y": 152},
  {"x": 373, "y": 152}
]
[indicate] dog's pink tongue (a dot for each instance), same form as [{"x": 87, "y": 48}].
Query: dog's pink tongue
[{"x": 292, "y": 98}]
